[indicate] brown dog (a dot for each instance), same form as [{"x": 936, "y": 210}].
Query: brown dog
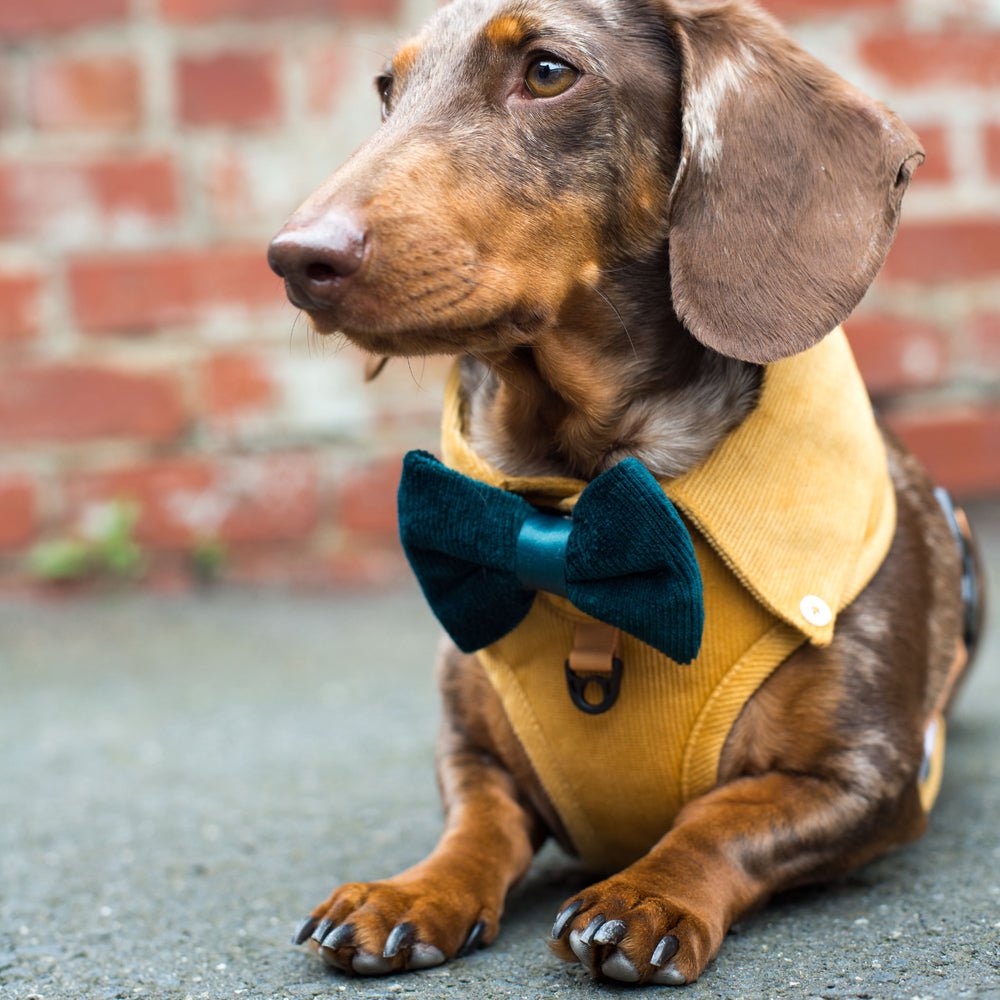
[{"x": 618, "y": 213}]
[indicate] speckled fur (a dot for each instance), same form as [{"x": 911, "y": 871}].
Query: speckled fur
[{"x": 614, "y": 267}]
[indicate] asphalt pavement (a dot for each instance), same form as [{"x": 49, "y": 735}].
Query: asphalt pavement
[{"x": 182, "y": 779}]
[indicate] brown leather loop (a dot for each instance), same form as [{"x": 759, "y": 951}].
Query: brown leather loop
[{"x": 595, "y": 646}]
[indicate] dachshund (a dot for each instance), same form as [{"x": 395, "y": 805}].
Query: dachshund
[{"x": 621, "y": 217}]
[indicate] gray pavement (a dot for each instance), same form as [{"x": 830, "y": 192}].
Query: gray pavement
[{"x": 181, "y": 780}]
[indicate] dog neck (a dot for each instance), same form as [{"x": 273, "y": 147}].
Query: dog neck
[{"x": 604, "y": 383}]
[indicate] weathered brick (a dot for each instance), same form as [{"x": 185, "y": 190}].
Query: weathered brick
[
  {"x": 19, "y": 304},
  {"x": 799, "y": 10},
  {"x": 959, "y": 447},
  {"x": 991, "y": 142},
  {"x": 18, "y": 512},
  {"x": 6, "y": 96},
  {"x": 985, "y": 331},
  {"x": 140, "y": 292},
  {"x": 238, "y": 89},
  {"x": 45, "y": 197},
  {"x": 96, "y": 92},
  {"x": 894, "y": 352},
  {"x": 236, "y": 383},
  {"x": 931, "y": 59},
  {"x": 938, "y": 167},
  {"x": 950, "y": 250},
  {"x": 80, "y": 402},
  {"x": 326, "y": 69},
  {"x": 202, "y": 11},
  {"x": 366, "y": 500},
  {"x": 21, "y": 18},
  {"x": 235, "y": 500}
]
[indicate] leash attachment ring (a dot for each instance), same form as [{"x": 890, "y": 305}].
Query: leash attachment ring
[
  {"x": 594, "y": 660},
  {"x": 609, "y": 685}
]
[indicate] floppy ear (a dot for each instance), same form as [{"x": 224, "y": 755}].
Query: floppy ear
[{"x": 788, "y": 192}]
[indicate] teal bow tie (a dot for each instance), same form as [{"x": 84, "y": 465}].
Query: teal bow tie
[{"x": 481, "y": 554}]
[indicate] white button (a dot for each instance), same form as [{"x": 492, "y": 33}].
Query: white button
[{"x": 816, "y": 611}]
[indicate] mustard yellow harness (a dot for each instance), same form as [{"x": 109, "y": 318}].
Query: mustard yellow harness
[{"x": 791, "y": 517}]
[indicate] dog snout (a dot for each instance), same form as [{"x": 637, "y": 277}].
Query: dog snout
[{"x": 318, "y": 258}]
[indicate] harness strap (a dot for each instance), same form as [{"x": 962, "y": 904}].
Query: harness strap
[{"x": 594, "y": 667}]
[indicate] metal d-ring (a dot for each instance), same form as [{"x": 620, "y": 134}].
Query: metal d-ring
[{"x": 609, "y": 684}]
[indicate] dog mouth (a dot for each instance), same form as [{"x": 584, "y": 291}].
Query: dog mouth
[{"x": 501, "y": 333}]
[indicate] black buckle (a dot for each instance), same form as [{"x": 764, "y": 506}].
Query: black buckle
[
  {"x": 609, "y": 684},
  {"x": 970, "y": 583}
]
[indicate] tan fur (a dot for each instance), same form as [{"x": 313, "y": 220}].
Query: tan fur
[{"x": 613, "y": 265}]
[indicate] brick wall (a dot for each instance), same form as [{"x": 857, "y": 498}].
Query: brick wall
[{"x": 148, "y": 150}]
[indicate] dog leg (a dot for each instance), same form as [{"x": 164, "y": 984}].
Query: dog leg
[
  {"x": 663, "y": 919},
  {"x": 450, "y": 903},
  {"x": 811, "y": 786}
]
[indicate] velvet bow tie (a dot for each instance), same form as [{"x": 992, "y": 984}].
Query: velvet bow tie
[{"x": 481, "y": 554}]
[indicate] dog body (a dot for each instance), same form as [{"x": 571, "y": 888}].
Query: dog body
[{"x": 619, "y": 214}]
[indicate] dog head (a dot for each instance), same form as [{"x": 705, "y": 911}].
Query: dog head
[{"x": 532, "y": 149}]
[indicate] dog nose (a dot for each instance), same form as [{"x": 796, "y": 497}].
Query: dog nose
[{"x": 317, "y": 259}]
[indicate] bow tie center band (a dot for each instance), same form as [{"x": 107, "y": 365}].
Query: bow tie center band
[{"x": 481, "y": 554}]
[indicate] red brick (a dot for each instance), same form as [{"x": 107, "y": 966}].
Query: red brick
[
  {"x": 953, "y": 250},
  {"x": 991, "y": 140},
  {"x": 202, "y": 11},
  {"x": 798, "y": 10},
  {"x": 938, "y": 167},
  {"x": 20, "y": 18},
  {"x": 97, "y": 92},
  {"x": 896, "y": 353},
  {"x": 237, "y": 501},
  {"x": 959, "y": 447},
  {"x": 985, "y": 329},
  {"x": 19, "y": 305},
  {"x": 931, "y": 59},
  {"x": 326, "y": 69},
  {"x": 234, "y": 198},
  {"x": 18, "y": 513},
  {"x": 366, "y": 501},
  {"x": 140, "y": 292},
  {"x": 236, "y": 383},
  {"x": 6, "y": 96},
  {"x": 46, "y": 197},
  {"x": 229, "y": 88},
  {"x": 79, "y": 402}
]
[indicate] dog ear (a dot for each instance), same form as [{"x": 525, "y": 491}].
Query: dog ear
[{"x": 788, "y": 191}]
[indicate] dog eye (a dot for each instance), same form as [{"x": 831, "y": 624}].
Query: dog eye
[
  {"x": 384, "y": 85},
  {"x": 548, "y": 77}
]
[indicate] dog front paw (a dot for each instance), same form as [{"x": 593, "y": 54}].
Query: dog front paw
[
  {"x": 622, "y": 929},
  {"x": 377, "y": 928}
]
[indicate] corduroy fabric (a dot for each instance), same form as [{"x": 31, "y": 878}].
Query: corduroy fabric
[
  {"x": 796, "y": 503},
  {"x": 628, "y": 558}
]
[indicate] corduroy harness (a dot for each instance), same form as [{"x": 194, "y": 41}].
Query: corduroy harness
[{"x": 790, "y": 517}]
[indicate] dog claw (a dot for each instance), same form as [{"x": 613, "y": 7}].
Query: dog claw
[
  {"x": 581, "y": 950},
  {"x": 343, "y": 935},
  {"x": 611, "y": 933},
  {"x": 473, "y": 939},
  {"x": 400, "y": 936},
  {"x": 587, "y": 935},
  {"x": 305, "y": 930},
  {"x": 366, "y": 964},
  {"x": 617, "y": 966},
  {"x": 670, "y": 976},
  {"x": 425, "y": 956},
  {"x": 664, "y": 951},
  {"x": 321, "y": 930},
  {"x": 563, "y": 919}
]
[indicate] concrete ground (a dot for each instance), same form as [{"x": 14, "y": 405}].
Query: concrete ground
[{"x": 181, "y": 780}]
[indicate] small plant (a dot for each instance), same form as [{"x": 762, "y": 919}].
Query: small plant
[
  {"x": 208, "y": 558},
  {"x": 107, "y": 548}
]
